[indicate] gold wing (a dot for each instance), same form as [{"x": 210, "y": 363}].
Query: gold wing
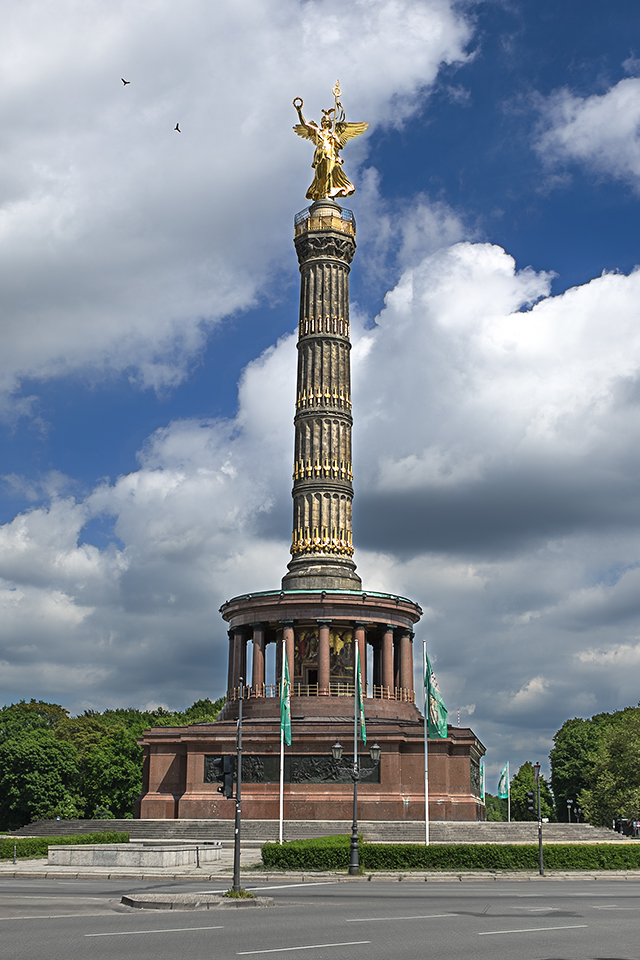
[
  {"x": 306, "y": 132},
  {"x": 347, "y": 131}
]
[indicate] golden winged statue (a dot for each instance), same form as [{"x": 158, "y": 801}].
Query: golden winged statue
[{"x": 329, "y": 138}]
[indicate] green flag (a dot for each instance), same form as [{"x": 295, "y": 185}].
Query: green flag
[
  {"x": 437, "y": 709},
  {"x": 285, "y": 700},
  {"x": 482, "y": 778},
  {"x": 503, "y": 782},
  {"x": 363, "y": 729}
]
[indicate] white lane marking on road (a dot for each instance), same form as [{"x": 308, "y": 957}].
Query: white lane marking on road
[
  {"x": 131, "y": 933},
  {"x": 282, "y": 886},
  {"x": 611, "y": 906},
  {"x": 426, "y": 916},
  {"x": 570, "y": 926},
  {"x": 309, "y": 946},
  {"x": 285, "y": 886}
]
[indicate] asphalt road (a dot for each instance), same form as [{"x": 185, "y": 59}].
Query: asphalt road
[{"x": 355, "y": 920}]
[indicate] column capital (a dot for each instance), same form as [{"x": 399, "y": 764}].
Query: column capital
[
  {"x": 286, "y": 623},
  {"x": 323, "y": 622},
  {"x": 258, "y": 623},
  {"x": 360, "y": 625},
  {"x": 390, "y": 627}
]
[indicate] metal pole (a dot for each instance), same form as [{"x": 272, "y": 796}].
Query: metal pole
[
  {"x": 540, "y": 854},
  {"x": 236, "y": 845},
  {"x": 354, "y": 860},
  {"x": 426, "y": 744},
  {"x": 508, "y": 795},
  {"x": 281, "y": 828}
]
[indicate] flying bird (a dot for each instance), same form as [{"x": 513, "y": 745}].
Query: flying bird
[
  {"x": 177, "y": 127},
  {"x": 125, "y": 81}
]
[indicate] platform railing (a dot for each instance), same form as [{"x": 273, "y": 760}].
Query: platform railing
[{"x": 337, "y": 688}]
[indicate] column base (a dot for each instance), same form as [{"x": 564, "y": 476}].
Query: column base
[{"x": 321, "y": 573}]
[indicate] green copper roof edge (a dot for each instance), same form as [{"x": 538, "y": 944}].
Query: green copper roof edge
[{"x": 354, "y": 593}]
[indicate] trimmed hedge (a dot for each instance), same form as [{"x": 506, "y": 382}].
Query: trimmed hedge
[
  {"x": 322, "y": 853},
  {"x": 31, "y": 848},
  {"x": 332, "y": 853}
]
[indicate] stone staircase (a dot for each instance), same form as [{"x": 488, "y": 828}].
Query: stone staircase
[{"x": 374, "y": 831}]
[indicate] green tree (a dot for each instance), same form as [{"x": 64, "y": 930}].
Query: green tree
[
  {"x": 19, "y": 718},
  {"x": 521, "y": 784},
  {"x": 579, "y": 759},
  {"x": 614, "y": 791},
  {"x": 202, "y": 711},
  {"x": 38, "y": 779},
  {"x": 104, "y": 766},
  {"x": 496, "y": 808},
  {"x": 113, "y": 772},
  {"x": 573, "y": 757}
]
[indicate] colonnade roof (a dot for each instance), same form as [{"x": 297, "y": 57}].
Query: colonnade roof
[{"x": 364, "y": 594}]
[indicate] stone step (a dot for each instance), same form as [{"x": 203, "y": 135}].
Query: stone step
[{"x": 373, "y": 831}]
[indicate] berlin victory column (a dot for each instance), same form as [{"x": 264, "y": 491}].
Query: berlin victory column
[{"x": 321, "y": 611}]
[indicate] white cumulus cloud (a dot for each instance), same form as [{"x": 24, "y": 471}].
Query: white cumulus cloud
[{"x": 601, "y": 131}]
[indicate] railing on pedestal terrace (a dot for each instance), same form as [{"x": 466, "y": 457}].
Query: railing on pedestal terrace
[{"x": 337, "y": 688}]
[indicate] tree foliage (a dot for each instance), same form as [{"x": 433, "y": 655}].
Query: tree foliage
[
  {"x": 594, "y": 764},
  {"x": 53, "y": 764},
  {"x": 496, "y": 807},
  {"x": 38, "y": 779},
  {"x": 614, "y": 791},
  {"x": 524, "y": 782}
]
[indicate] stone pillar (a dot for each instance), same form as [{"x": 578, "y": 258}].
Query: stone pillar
[
  {"x": 324, "y": 657},
  {"x": 257, "y": 674},
  {"x": 406, "y": 661},
  {"x": 387, "y": 660},
  {"x": 361, "y": 640},
  {"x": 278, "y": 656},
  {"x": 377, "y": 662},
  {"x": 396, "y": 662},
  {"x": 287, "y": 631},
  {"x": 239, "y": 656},
  {"x": 230, "y": 670}
]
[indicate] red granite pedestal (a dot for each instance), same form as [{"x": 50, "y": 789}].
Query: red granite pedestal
[{"x": 318, "y": 630}]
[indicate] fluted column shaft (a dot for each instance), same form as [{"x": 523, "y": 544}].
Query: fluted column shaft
[{"x": 322, "y": 539}]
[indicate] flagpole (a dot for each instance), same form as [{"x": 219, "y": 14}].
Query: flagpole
[
  {"x": 508, "y": 795},
  {"x": 284, "y": 653},
  {"x": 426, "y": 745}
]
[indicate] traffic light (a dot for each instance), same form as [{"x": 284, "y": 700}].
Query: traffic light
[
  {"x": 531, "y": 803},
  {"x": 224, "y": 769}
]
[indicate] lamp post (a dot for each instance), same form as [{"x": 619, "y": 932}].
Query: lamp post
[
  {"x": 569, "y": 805},
  {"x": 236, "y": 841},
  {"x": 536, "y": 770},
  {"x": 356, "y": 774}
]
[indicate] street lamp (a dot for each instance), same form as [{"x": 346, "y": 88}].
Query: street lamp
[
  {"x": 536, "y": 770},
  {"x": 569, "y": 805},
  {"x": 356, "y": 774}
]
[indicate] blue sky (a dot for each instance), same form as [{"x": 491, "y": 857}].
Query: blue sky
[{"x": 149, "y": 296}]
